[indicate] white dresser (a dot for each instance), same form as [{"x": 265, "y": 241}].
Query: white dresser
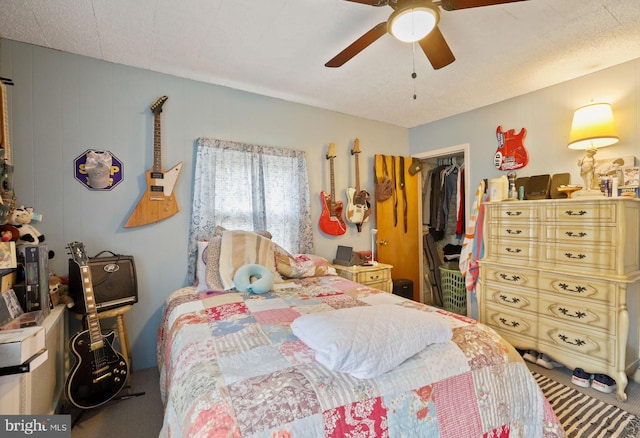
[{"x": 561, "y": 277}]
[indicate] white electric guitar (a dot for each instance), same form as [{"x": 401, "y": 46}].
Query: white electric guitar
[{"x": 358, "y": 207}]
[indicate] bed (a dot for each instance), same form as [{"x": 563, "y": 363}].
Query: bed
[{"x": 233, "y": 364}]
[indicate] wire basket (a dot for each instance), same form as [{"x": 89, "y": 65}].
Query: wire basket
[{"x": 454, "y": 293}]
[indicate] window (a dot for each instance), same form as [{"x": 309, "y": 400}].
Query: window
[{"x": 251, "y": 187}]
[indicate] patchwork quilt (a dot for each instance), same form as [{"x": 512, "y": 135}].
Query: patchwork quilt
[{"x": 231, "y": 366}]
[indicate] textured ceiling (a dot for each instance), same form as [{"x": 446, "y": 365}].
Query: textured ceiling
[{"x": 278, "y": 48}]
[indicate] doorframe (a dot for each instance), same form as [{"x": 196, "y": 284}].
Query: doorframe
[{"x": 465, "y": 149}]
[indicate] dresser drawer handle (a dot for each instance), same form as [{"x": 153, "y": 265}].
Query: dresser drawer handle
[
  {"x": 512, "y": 300},
  {"x": 516, "y": 232},
  {"x": 565, "y": 339},
  {"x": 505, "y": 277},
  {"x": 509, "y": 323},
  {"x": 513, "y": 213},
  {"x": 578, "y": 289},
  {"x": 575, "y": 213},
  {"x": 578, "y": 235},
  {"x": 513, "y": 251},
  {"x": 577, "y": 314},
  {"x": 374, "y": 277},
  {"x": 570, "y": 255}
]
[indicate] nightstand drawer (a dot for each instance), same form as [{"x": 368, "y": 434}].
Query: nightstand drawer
[
  {"x": 373, "y": 276},
  {"x": 378, "y": 276}
]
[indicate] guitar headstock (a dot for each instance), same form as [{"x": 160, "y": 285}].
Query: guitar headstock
[
  {"x": 331, "y": 153},
  {"x": 78, "y": 254},
  {"x": 156, "y": 107},
  {"x": 356, "y": 147}
]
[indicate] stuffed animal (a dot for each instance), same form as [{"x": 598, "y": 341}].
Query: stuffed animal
[
  {"x": 59, "y": 291},
  {"x": 21, "y": 219},
  {"x": 9, "y": 233}
]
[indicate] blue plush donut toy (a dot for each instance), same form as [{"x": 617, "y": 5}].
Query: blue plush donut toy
[{"x": 263, "y": 279}]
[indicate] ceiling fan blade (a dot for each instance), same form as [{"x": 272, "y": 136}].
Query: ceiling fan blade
[
  {"x": 371, "y": 2},
  {"x": 358, "y": 45},
  {"x": 437, "y": 50},
  {"x": 452, "y": 5}
]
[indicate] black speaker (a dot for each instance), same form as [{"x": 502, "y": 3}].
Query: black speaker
[
  {"x": 113, "y": 279},
  {"x": 403, "y": 287}
]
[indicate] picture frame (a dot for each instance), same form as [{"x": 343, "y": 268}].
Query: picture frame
[
  {"x": 8, "y": 259},
  {"x": 613, "y": 167},
  {"x": 631, "y": 176}
]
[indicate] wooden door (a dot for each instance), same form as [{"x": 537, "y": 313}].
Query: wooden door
[{"x": 398, "y": 221}]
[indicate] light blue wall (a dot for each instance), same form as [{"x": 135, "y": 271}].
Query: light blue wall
[
  {"x": 63, "y": 104},
  {"x": 546, "y": 114}
]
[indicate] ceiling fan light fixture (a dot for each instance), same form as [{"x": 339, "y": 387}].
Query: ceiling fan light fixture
[{"x": 412, "y": 23}]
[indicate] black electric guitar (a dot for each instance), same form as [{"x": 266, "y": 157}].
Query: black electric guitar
[{"x": 100, "y": 372}]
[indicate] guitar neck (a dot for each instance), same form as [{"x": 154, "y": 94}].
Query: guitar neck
[
  {"x": 93, "y": 322},
  {"x": 4, "y": 123},
  {"x": 357, "y": 173},
  {"x": 333, "y": 186},
  {"x": 157, "y": 143}
]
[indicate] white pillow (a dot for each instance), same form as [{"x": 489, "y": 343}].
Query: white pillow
[
  {"x": 368, "y": 341},
  {"x": 201, "y": 266}
]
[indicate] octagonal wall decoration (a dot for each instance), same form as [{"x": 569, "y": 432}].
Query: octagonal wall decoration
[{"x": 98, "y": 169}]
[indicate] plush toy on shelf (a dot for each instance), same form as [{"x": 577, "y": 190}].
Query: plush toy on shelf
[
  {"x": 59, "y": 291},
  {"x": 21, "y": 219},
  {"x": 9, "y": 233}
]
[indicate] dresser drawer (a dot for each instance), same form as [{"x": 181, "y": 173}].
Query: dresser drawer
[
  {"x": 576, "y": 341},
  {"x": 590, "y": 211},
  {"x": 582, "y": 259},
  {"x": 510, "y": 322},
  {"x": 509, "y": 297},
  {"x": 580, "y": 313},
  {"x": 580, "y": 234},
  {"x": 521, "y": 252},
  {"x": 512, "y": 230},
  {"x": 508, "y": 276},
  {"x": 513, "y": 212},
  {"x": 578, "y": 287}
]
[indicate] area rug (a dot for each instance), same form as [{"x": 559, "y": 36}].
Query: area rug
[{"x": 583, "y": 416}]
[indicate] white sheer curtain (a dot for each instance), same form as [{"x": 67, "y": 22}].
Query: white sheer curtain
[{"x": 250, "y": 187}]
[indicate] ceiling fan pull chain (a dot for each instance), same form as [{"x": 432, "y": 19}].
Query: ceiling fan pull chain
[{"x": 414, "y": 75}]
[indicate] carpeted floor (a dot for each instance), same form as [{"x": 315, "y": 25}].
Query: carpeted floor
[
  {"x": 135, "y": 417},
  {"x": 583, "y": 416}
]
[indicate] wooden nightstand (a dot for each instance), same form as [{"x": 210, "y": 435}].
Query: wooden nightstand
[{"x": 378, "y": 276}]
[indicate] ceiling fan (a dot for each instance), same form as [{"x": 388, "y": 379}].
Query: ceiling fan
[{"x": 410, "y": 21}]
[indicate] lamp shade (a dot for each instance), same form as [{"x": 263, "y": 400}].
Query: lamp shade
[
  {"x": 593, "y": 127},
  {"x": 412, "y": 23}
]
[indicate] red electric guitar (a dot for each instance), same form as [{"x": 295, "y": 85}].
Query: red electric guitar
[
  {"x": 331, "y": 221},
  {"x": 358, "y": 206},
  {"x": 511, "y": 153}
]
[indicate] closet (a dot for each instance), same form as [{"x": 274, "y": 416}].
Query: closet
[{"x": 444, "y": 216}]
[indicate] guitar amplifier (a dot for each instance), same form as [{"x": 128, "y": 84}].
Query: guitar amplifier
[{"x": 113, "y": 279}]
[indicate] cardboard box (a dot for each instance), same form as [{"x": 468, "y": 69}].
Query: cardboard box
[{"x": 17, "y": 346}]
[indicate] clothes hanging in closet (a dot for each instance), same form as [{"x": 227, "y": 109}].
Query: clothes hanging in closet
[{"x": 441, "y": 184}]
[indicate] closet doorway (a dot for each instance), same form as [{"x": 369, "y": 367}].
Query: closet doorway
[{"x": 456, "y": 156}]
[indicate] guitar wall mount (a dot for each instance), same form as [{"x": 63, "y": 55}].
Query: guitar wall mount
[{"x": 90, "y": 169}]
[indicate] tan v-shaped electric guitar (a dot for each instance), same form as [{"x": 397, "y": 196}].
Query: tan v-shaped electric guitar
[{"x": 158, "y": 202}]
